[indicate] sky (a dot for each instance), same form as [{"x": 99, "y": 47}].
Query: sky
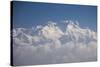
[{"x": 30, "y": 14}]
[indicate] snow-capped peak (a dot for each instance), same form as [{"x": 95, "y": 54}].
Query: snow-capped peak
[{"x": 73, "y": 32}]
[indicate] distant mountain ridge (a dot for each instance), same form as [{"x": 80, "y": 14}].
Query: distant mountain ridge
[{"x": 73, "y": 32}]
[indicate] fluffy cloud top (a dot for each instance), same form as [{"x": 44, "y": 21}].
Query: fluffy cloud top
[{"x": 48, "y": 44}]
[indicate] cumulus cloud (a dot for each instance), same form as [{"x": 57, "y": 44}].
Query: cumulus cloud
[{"x": 48, "y": 44}]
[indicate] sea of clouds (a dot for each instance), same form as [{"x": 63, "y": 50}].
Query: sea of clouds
[{"x": 53, "y": 43}]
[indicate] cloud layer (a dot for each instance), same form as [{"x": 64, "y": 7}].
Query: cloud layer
[{"x": 54, "y": 43}]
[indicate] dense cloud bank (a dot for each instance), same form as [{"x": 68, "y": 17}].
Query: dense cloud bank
[{"x": 54, "y": 43}]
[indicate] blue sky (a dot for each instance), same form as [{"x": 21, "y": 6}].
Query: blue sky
[{"x": 29, "y": 14}]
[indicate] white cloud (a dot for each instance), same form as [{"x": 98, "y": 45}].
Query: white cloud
[{"x": 51, "y": 45}]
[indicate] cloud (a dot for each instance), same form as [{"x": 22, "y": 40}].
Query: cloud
[{"x": 50, "y": 44}]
